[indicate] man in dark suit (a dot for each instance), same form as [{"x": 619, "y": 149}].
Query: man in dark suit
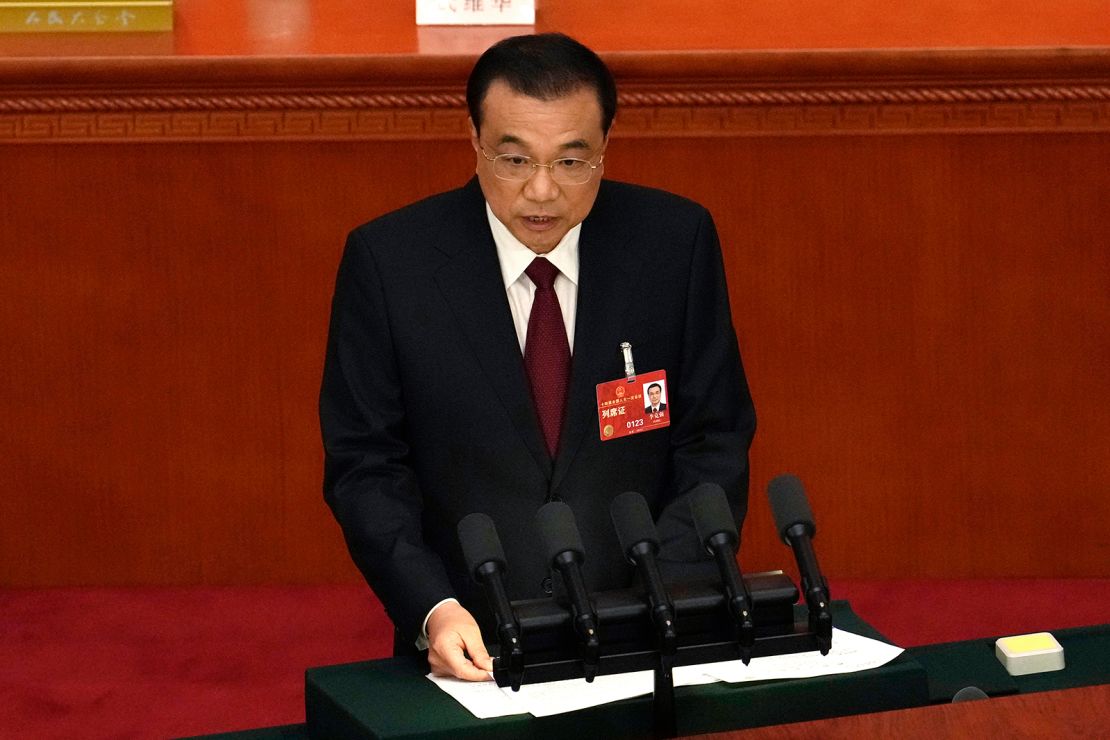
[
  {"x": 655, "y": 405},
  {"x": 519, "y": 288}
]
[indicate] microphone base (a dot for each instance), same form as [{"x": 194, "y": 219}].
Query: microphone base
[
  {"x": 706, "y": 631},
  {"x": 556, "y": 668}
]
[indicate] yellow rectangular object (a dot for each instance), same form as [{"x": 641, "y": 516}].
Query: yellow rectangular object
[
  {"x": 86, "y": 16},
  {"x": 1021, "y": 655}
]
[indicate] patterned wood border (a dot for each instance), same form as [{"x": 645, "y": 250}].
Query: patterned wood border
[{"x": 720, "y": 111}]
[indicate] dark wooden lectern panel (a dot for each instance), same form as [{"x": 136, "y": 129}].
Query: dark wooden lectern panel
[{"x": 1073, "y": 713}]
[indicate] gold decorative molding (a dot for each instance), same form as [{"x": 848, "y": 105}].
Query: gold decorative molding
[
  {"x": 704, "y": 95},
  {"x": 234, "y": 125},
  {"x": 864, "y": 118},
  {"x": 869, "y": 95},
  {"x": 217, "y": 102}
]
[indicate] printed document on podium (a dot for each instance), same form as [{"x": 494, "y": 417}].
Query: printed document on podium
[{"x": 850, "y": 653}]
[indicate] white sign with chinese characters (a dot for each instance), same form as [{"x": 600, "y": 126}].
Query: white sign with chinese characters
[{"x": 475, "y": 12}]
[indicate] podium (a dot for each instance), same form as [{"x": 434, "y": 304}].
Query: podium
[{"x": 392, "y": 699}]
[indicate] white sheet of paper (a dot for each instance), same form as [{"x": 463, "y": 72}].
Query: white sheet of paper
[
  {"x": 849, "y": 653},
  {"x": 481, "y": 698},
  {"x": 556, "y": 697},
  {"x": 692, "y": 675}
]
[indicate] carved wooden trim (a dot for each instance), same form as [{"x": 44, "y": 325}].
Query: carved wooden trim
[
  {"x": 243, "y": 102},
  {"x": 869, "y": 96},
  {"x": 700, "y": 98},
  {"x": 889, "y": 118},
  {"x": 703, "y": 111}
]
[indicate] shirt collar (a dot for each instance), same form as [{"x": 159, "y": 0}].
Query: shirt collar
[{"x": 515, "y": 257}]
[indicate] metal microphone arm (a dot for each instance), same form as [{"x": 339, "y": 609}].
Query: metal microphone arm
[
  {"x": 739, "y": 600},
  {"x": 584, "y": 618},
  {"x": 814, "y": 587},
  {"x": 508, "y": 631}
]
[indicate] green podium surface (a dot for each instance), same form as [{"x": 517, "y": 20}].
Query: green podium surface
[
  {"x": 953, "y": 665},
  {"x": 392, "y": 699}
]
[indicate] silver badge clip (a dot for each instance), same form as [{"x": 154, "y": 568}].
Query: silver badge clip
[{"x": 629, "y": 367}]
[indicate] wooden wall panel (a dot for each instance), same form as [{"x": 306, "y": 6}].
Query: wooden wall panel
[
  {"x": 923, "y": 320},
  {"x": 163, "y": 311},
  {"x": 924, "y": 323}
]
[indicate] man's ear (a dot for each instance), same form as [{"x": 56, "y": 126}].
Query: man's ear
[{"x": 473, "y": 135}]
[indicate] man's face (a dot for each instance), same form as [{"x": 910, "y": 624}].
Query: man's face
[
  {"x": 653, "y": 395},
  {"x": 539, "y": 212}
]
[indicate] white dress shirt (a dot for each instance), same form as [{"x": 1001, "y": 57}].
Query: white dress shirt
[{"x": 515, "y": 258}]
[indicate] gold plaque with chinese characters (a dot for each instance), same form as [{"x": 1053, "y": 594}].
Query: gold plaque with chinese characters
[{"x": 86, "y": 16}]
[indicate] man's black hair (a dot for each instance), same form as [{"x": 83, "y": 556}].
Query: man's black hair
[
  {"x": 655, "y": 385},
  {"x": 545, "y": 66}
]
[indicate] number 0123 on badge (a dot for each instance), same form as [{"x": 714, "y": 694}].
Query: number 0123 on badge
[{"x": 627, "y": 407}]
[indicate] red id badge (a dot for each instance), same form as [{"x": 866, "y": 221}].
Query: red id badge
[{"x": 625, "y": 408}]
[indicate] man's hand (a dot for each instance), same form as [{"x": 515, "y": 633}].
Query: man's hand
[{"x": 451, "y": 631}]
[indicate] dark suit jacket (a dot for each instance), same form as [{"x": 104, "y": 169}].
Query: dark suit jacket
[
  {"x": 662, "y": 408},
  {"x": 426, "y": 412}
]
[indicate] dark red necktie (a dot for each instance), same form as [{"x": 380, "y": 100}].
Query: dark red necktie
[{"x": 547, "y": 352}]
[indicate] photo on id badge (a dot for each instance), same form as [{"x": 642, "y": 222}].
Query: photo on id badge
[{"x": 655, "y": 399}]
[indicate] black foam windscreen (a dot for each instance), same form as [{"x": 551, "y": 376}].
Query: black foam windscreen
[
  {"x": 558, "y": 529},
  {"x": 789, "y": 504},
  {"x": 711, "y": 513},
  {"x": 479, "y": 540},
  {"x": 632, "y": 520}
]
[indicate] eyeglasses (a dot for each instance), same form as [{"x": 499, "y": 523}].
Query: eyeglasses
[{"x": 564, "y": 171}]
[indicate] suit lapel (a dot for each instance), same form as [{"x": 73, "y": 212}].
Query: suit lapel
[
  {"x": 608, "y": 276},
  {"x": 472, "y": 286}
]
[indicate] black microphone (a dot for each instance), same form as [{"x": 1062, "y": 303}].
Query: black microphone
[
  {"x": 717, "y": 532},
  {"x": 564, "y": 550},
  {"x": 795, "y": 524},
  {"x": 485, "y": 560},
  {"x": 640, "y": 543}
]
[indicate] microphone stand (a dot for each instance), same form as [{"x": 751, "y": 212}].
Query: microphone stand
[
  {"x": 666, "y": 725},
  {"x": 816, "y": 590},
  {"x": 666, "y": 639}
]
